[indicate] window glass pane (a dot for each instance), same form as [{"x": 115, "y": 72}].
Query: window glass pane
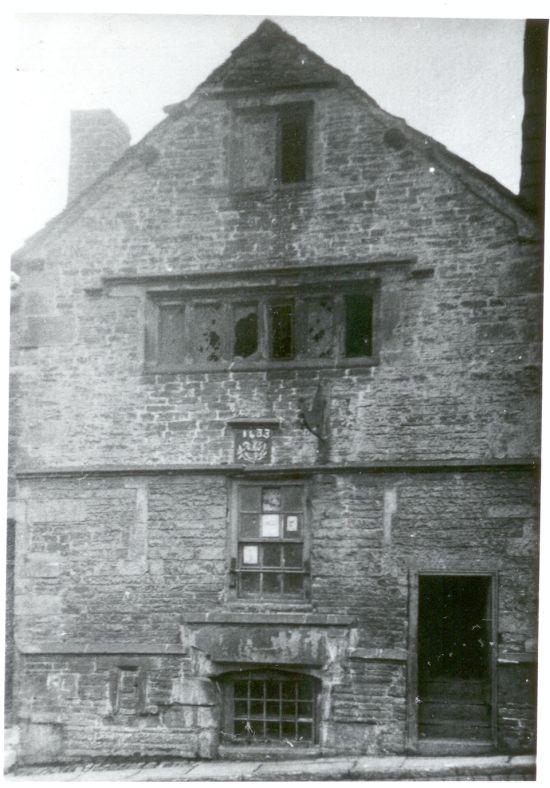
[
  {"x": 272, "y": 708},
  {"x": 288, "y": 730},
  {"x": 292, "y": 583},
  {"x": 358, "y": 325},
  {"x": 241, "y": 708},
  {"x": 250, "y": 498},
  {"x": 272, "y": 730},
  {"x": 207, "y": 344},
  {"x": 271, "y": 583},
  {"x": 292, "y": 525},
  {"x": 289, "y": 708},
  {"x": 305, "y": 689},
  {"x": 291, "y": 495},
  {"x": 271, "y": 499},
  {"x": 250, "y": 582},
  {"x": 250, "y": 554},
  {"x": 320, "y": 328},
  {"x": 289, "y": 689},
  {"x": 305, "y": 709},
  {"x": 255, "y": 728},
  {"x": 249, "y": 525},
  {"x": 293, "y": 148},
  {"x": 305, "y": 731},
  {"x": 273, "y": 688},
  {"x": 171, "y": 334},
  {"x": 240, "y": 689},
  {"x": 293, "y": 555},
  {"x": 282, "y": 344},
  {"x": 240, "y": 727},
  {"x": 245, "y": 321},
  {"x": 256, "y": 689},
  {"x": 271, "y": 555},
  {"x": 257, "y": 708},
  {"x": 270, "y": 525}
]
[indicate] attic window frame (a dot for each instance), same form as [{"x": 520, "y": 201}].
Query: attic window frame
[
  {"x": 304, "y": 111},
  {"x": 278, "y": 113}
]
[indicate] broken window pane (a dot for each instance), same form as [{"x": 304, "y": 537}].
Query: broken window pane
[
  {"x": 320, "y": 328},
  {"x": 246, "y": 330},
  {"x": 271, "y": 499},
  {"x": 208, "y": 332},
  {"x": 358, "y": 325},
  {"x": 282, "y": 342}
]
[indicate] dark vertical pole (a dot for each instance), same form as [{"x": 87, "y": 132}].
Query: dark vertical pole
[{"x": 535, "y": 48}]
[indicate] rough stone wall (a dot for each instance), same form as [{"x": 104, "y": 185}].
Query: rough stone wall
[
  {"x": 459, "y": 364},
  {"x": 83, "y": 586}
]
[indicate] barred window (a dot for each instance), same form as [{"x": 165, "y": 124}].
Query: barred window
[
  {"x": 270, "y": 707},
  {"x": 271, "y": 542}
]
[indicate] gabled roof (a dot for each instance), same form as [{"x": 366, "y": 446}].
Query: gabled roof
[{"x": 271, "y": 59}]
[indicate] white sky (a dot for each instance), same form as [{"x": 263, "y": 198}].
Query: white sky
[{"x": 457, "y": 80}]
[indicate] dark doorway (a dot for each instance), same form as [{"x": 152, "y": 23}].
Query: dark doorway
[{"x": 454, "y": 657}]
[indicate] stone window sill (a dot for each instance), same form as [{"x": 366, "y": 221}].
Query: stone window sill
[
  {"x": 261, "y": 366},
  {"x": 260, "y": 617},
  {"x": 265, "y": 752}
]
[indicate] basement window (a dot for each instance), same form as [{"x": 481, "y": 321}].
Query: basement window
[
  {"x": 270, "y": 707},
  {"x": 269, "y": 556}
]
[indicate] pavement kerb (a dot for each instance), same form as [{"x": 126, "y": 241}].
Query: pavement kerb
[{"x": 367, "y": 768}]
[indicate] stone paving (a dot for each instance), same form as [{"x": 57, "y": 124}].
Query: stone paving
[{"x": 393, "y": 768}]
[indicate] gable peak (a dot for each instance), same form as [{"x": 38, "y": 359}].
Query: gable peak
[{"x": 271, "y": 59}]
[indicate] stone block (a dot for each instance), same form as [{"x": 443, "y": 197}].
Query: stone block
[
  {"x": 69, "y": 510},
  {"x": 40, "y": 742},
  {"x": 43, "y": 564}
]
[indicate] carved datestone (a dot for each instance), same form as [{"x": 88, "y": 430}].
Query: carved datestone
[{"x": 253, "y": 440}]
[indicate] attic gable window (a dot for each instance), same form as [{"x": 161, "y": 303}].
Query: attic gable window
[
  {"x": 271, "y": 147},
  {"x": 262, "y": 329},
  {"x": 293, "y": 146}
]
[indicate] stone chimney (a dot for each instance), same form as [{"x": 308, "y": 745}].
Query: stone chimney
[
  {"x": 98, "y": 138},
  {"x": 535, "y": 46}
]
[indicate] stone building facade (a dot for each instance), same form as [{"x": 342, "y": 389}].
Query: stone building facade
[{"x": 277, "y": 376}]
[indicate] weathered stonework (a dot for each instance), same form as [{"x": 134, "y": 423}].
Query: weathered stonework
[{"x": 124, "y": 621}]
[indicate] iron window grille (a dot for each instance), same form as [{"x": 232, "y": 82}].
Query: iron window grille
[{"x": 270, "y": 707}]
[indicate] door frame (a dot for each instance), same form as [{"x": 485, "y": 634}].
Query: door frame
[{"x": 412, "y": 662}]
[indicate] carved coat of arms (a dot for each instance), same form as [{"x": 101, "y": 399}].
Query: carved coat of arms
[{"x": 253, "y": 446}]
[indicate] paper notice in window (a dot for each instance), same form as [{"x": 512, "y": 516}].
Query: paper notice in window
[
  {"x": 270, "y": 525},
  {"x": 250, "y": 554},
  {"x": 292, "y": 522}
]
